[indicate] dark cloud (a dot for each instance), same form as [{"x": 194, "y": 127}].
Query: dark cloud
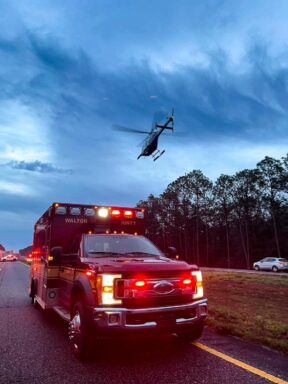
[
  {"x": 36, "y": 166},
  {"x": 213, "y": 101}
]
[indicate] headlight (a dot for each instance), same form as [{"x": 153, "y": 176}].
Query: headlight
[
  {"x": 199, "y": 285},
  {"x": 106, "y": 289}
]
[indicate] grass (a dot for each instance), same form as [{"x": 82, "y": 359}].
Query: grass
[{"x": 253, "y": 307}]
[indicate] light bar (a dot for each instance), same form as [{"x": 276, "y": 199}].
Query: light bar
[{"x": 140, "y": 215}]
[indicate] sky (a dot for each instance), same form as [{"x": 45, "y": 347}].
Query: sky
[{"x": 70, "y": 70}]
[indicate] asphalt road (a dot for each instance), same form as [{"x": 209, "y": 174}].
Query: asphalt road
[{"x": 34, "y": 349}]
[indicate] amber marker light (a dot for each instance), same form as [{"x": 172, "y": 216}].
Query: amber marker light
[{"x": 108, "y": 289}]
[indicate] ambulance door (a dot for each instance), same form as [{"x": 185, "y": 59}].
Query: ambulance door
[{"x": 66, "y": 281}]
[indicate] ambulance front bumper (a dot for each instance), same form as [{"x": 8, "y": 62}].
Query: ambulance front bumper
[{"x": 168, "y": 317}]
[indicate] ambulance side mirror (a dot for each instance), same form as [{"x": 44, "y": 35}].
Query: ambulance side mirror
[
  {"x": 56, "y": 253},
  {"x": 172, "y": 252}
]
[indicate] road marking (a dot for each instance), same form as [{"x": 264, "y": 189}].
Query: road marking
[{"x": 240, "y": 364}]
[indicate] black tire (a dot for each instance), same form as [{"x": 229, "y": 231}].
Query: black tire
[
  {"x": 274, "y": 268},
  {"x": 191, "y": 334},
  {"x": 81, "y": 332},
  {"x": 32, "y": 292},
  {"x": 257, "y": 268}
]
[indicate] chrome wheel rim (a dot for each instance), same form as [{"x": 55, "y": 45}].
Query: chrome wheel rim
[{"x": 75, "y": 330}]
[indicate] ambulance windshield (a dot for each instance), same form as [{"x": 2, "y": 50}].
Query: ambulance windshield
[{"x": 119, "y": 245}]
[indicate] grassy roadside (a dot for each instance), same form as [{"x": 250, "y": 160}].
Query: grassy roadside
[{"x": 253, "y": 307}]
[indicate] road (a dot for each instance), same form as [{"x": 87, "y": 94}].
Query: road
[{"x": 34, "y": 349}]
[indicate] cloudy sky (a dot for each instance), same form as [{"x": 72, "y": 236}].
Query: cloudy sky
[{"x": 71, "y": 69}]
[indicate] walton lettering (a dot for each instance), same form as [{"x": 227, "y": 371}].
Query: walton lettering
[{"x": 70, "y": 220}]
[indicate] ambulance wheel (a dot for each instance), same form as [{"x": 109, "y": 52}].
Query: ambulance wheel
[
  {"x": 191, "y": 334},
  {"x": 80, "y": 332},
  {"x": 32, "y": 291}
]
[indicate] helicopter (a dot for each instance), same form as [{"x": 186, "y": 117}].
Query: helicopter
[{"x": 150, "y": 143}]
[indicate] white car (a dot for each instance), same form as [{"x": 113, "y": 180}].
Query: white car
[
  {"x": 9, "y": 257},
  {"x": 274, "y": 264}
]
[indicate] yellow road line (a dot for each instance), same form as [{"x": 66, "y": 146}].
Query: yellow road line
[{"x": 240, "y": 364}]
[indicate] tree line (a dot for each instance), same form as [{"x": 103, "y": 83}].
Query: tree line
[{"x": 227, "y": 223}]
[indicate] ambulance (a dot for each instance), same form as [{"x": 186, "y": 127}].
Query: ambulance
[{"x": 93, "y": 265}]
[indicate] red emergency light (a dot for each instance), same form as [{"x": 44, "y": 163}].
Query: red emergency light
[
  {"x": 188, "y": 282},
  {"x": 115, "y": 212},
  {"x": 139, "y": 283}
]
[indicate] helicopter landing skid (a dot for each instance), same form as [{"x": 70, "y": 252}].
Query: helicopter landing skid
[{"x": 157, "y": 154}]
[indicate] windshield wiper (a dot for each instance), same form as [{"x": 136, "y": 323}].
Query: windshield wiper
[
  {"x": 141, "y": 253},
  {"x": 105, "y": 254}
]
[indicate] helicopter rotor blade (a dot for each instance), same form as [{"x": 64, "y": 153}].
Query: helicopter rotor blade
[
  {"x": 175, "y": 134},
  {"x": 122, "y": 128}
]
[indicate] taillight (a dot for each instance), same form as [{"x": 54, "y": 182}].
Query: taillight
[{"x": 199, "y": 285}]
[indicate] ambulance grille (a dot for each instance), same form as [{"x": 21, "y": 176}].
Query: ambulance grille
[{"x": 156, "y": 301}]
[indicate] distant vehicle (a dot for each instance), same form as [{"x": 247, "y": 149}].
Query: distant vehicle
[
  {"x": 9, "y": 257},
  {"x": 150, "y": 144},
  {"x": 274, "y": 264}
]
